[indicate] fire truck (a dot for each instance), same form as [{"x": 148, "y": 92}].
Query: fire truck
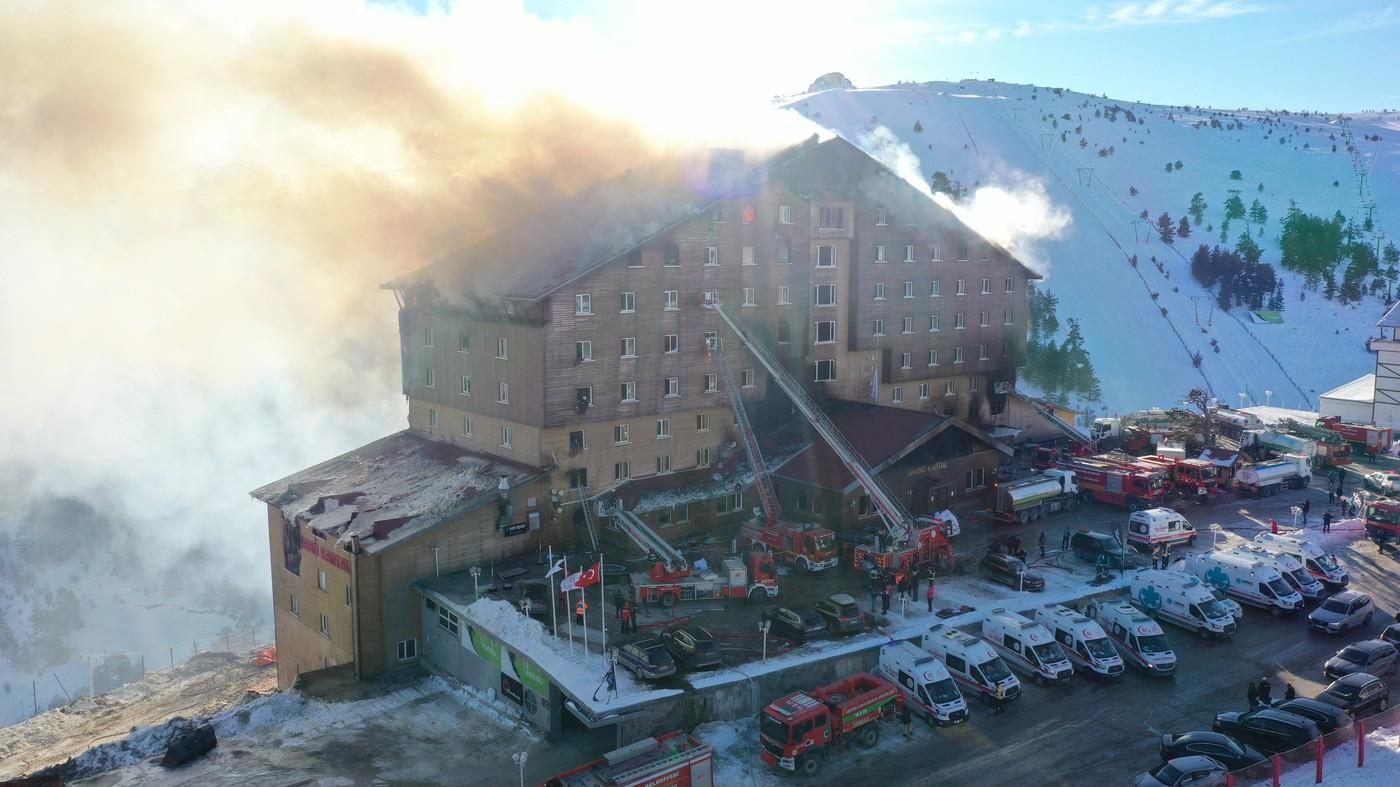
[
  {"x": 1191, "y": 477},
  {"x": 1331, "y": 448},
  {"x": 907, "y": 542},
  {"x": 798, "y": 731},
  {"x": 1367, "y": 438},
  {"x": 1383, "y": 519},
  {"x": 672, "y": 760},
  {"x": 1117, "y": 484}
]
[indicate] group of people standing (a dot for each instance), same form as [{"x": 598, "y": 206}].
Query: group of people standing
[
  {"x": 884, "y": 586},
  {"x": 1261, "y": 694}
]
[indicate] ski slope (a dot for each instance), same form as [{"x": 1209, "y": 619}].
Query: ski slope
[{"x": 992, "y": 134}]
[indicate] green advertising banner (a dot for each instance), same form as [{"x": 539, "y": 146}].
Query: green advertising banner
[
  {"x": 530, "y": 675},
  {"x": 485, "y": 645}
]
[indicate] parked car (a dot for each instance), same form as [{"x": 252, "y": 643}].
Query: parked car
[
  {"x": 536, "y": 592},
  {"x": 1195, "y": 771},
  {"x": 1326, "y": 717},
  {"x": 1360, "y": 694},
  {"x": 842, "y": 614},
  {"x": 1346, "y": 610},
  {"x": 1011, "y": 571},
  {"x": 691, "y": 646},
  {"x": 1369, "y": 655},
  {"x": 1088, "y": 545},
  {"x": 647, "y": 659},
  {"x": 1268, "y": 730},
  {"x": 1219, "y": 747},
  {"x": 1383, "y": 482},
  {"x": 1391, "y": 634},
  {"x": 798, "y": 625}
]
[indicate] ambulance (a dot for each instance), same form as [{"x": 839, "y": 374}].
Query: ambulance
[
  {"x": 1027, "y": 646},
  {"x": 1137, "y": 636},
  {"x": 1247, "y": 580},
  {"x": 1154, "y": 527},
  {"x": 971, "y": 662},
  {"x": 1180, "y": 598},
  {"x": 1318, "y": 563},
  {"x": 1083, "y": 639},
  {"x": 1289, "y": 568},
  {"x": 927, "y": 687}
]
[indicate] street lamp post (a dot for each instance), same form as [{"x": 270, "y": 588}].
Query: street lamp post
[
  {"x": 519, "y": 759},
  {"x": 1214, "y": 535},
  {"x": 476, "y": 587},
  {"x": 763, "y": 629}
]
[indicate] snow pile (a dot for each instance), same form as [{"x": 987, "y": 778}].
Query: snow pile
[
  {"x": 834, "y": 80},
  {"x": 143, "y": 743},
  {"x": 1339, "y": 764},
  {"x": 736, "y": 752},
  {"x": 495, "y": 712}
]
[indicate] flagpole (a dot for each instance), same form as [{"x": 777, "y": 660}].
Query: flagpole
[
  {"x": 603, "y": 605},
  {"x": 568, "y": 613},
  {"x": 553, "y": 611},
  {"x": 583, "y": 599}
]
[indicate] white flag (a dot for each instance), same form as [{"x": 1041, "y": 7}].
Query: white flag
[
  {"x": 570, "y": 582},
  {"x": 558, "y": 566}
]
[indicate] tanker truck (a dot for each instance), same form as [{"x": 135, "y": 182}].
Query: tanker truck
[
  {"x": 1291, "y": 471},
  {"x": 1033, "y": 497},
  {"x": 1267, "y": 443}
]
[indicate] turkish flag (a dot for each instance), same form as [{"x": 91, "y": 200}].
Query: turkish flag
[{"x": 590, "y": 576}]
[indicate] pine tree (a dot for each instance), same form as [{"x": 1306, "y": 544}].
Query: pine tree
[
  {"x": 940, "y": 183},
  {"x": 1183, "y": 228},
  {"x": 1165, "y": 228},
  {"x": 1258, "y": 213},
  {"x": 1247, "y": 248},
  {"x": 1234, "y": 207},
  {"x": 918, "y": 127},
  {"x": 1198, "y": 207}
]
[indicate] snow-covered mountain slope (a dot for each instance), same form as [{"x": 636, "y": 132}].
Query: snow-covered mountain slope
[{"x": 993, "y": 134}]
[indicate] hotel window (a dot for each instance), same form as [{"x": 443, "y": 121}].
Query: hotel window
[
  {"x": 583, "y": 351},
  {"x": 663, "y": 428},
  {"x": 711, "y": 382},
  {"x": 295, "y": 607},
  {"x": 782, "y": 252},
  {"x": 702, "y": 422},
  {"x": 935, "y": 289},
  {"x": 879, "y": 291},
  {"x": 1010, "y": 284},
  {"x": 906, "y": 360},
  {"x": 948, "y": 388},
  {"x": 629, "y": 392},
  {"x": 663, "y": 464},
  {"x": 730, "y": 503},
  {"x": 671, "y": 343},
  {"x": 622, "y": 435},
  {"x": 428, "y": 336},
  {"x": 429, "y": 378},
  {"x": 826, "y": 371},
  {"x": 983, "y": 319},
  {"x": 936, "y": 253},
  {"x": 784, "y": 295},
  {"x": 923, "y": 390},
  {"x": 1006, "y": 317},
  {"x": 748, "y": 258},
  {"x": 747, "y": 377},
  {"x": 717, "y": 215},
  {"x": 933, "y": 323},
  {"x": 957, "y": 355},
  {"x": 908, "y": 253},
  {"x": 976, "y": 477},
  {"x": 702, "y": 457},
  {"x": 962, "y": 251},
  {"x": 749, "y": 214},
  {"x": 711, "y": 256},
  {"x": 984, "y": 252},
  {"x": 634, "y": 258},
  {"x": 879, "y": 328},
  {"x": 908, "y": 289},
  {"x": 583, "y": 303},
  {"x": 982, "y": 353},
  {"x": 673, "y": 300},
  {"x": 467, "y": 426},
  {"x": 673, "y": 256},
  {"x": 578, "y": 478},
  {"x": 432, "y": 418},
  {"x": 825, "y": 294},
  {"x": 826, "y": 256},
  {"x": 628, "y": 302},
  {"x": 881, "y": 217},
  {"x": 832, "y": 218},
  {"x": 501, "y": 349},
  {"x": 906, "y": 324},
  {"x": 986, "y": 286},
  {"x": 932, "y": 357},
  {"x": 1005, "y": 348},
  {"x": 784, "y": 214},
  {"x": 711, "y": 340},
  {"x": 577, "y": 441},
  {"x": 622, "y": 471},
  {"x": 629, "y": 347},
  {"x": 973, "y": 385},
  {"x": 897, "y": 394},
  {"x": 408, "y": 649},
  {"x": 448, "y": 621},
  {"x": 959, "y": 321},
  {"x": 750, "y": 296},
  {"x": 503, "y": 393},
  {"x": 507, "y": 436},
  {"x": 880, "y": 254},
  {"x": 325, "y": 626},
  {"x": 466, "y": 385},
  {"x": 784, "y": 333},
  {"x": 464, "y": 343},
  {"x": 321, "y": 578},
  {"x": 962, "y": 287},
  {"x": 671, "y": 387},
  {"x": 826, "y": 332}
]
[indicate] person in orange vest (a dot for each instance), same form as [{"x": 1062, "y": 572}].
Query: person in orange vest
[
  {"x": 1273, "y": 526},
  {"x": 579, "y": 609},
  {"x": 628, "y": 625}
]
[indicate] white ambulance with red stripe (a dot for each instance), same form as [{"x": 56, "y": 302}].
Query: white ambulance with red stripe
[
  {"x": 1138, "y": 637},
  {"x": 1027, "y": 646},
  {"x": 1247, "y": 580}
]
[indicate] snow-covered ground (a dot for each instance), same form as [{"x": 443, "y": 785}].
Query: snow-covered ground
[
  {"x": 1339, "y": 765},
  {"x": 1013, "y": 146}
]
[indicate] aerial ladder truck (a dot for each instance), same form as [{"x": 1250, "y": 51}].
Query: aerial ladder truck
[
  {"x": 806, "y": 545},
  {"x": 909, "y": 542}
]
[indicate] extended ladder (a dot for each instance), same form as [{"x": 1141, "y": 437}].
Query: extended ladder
[
  {"x": 588, "y": 520},
  {"x": 898, "y": 521},
  {"x": 766, "y": 496},
  {"x": 1046, "y": 413},
  {"x": 646, "y": 538}
]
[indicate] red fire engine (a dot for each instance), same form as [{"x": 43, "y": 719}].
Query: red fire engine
[
  {"x": 1383, "y": 519},
  {"x": 807, "y": 546},
  {"x": 1193, "y": 477},
  {"x": 797, "y": 731},
  {"x": 929, "y": 546},
  {"x": 672, "y": 760},
  {"x": 1368, "y": 438},
  {"x": 1116, "y": 484}
]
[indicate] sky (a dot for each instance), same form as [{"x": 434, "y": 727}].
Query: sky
[{"x": 1328, "y": 55}]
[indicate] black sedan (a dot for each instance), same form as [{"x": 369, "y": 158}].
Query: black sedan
[
  {"x": 1360, "y": 694},
  {"x": 692, "y": 646},
  {"x": 1217, "y": 746},
  {"x": 1326, "y": 717},
  {"x": 1270, "y": 731},
  {"x": 798, "y": 625}
]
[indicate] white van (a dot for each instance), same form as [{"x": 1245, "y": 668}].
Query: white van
[
  {"x": 1157, "y": 526},
  {"x": 1288, "y": 567},
  {"x": 1318, "y": 563},
  {"x": 1248, "y": 580},
  {"x": 1180, "y": 598},
  {"x": 1027, "y": 645},
  {"x": 925, "y": 682},
  {"x": 1083, "y": 640},
  {"x": 1137, "y": 636},
  {"x": 971, "y": 662}
]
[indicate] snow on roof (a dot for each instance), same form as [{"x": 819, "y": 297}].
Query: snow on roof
[
  {"x": 1275, "y": 415},
  {"x": 1362, "y": 389},
  {"x": 1391, "y": 318},
  {"x": 1220, "y": 457},
  {"x": 390, "y": 488},
  {"x": 705, "y": 486}
]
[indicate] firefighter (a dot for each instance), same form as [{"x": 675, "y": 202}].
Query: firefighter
[
  {"x": 1273, "y": 526},
  {"x": 1042, "y": 543},
  {"x": 628, "y": 624},
  {"x": 1307, "y": 506},
  {"x": 1327, "y": 522},
  {"x": 1264, "y": 691},
  {"x": 579, "y": 609},
  {"x": 928, "y": 594},
  {"x": 907, "y": 719}
]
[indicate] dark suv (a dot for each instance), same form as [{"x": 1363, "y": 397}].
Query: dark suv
[
  {"x": 798, "y": 625},
  {"x": 841, "y": 613},
  {"x": 1268, "y": 730},
  {"x": 1375, "y": 656},
  {"x": 1011, "y": 571},
  {"x": 1088, "y": 545},
  {"x": 536, "y": 593},
  {"x": 647, "y": 659},
  {"x": 1359, "y": 694},
  {"x": 692, "y": 646},
  {"x": 1326, "y": 717}
]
